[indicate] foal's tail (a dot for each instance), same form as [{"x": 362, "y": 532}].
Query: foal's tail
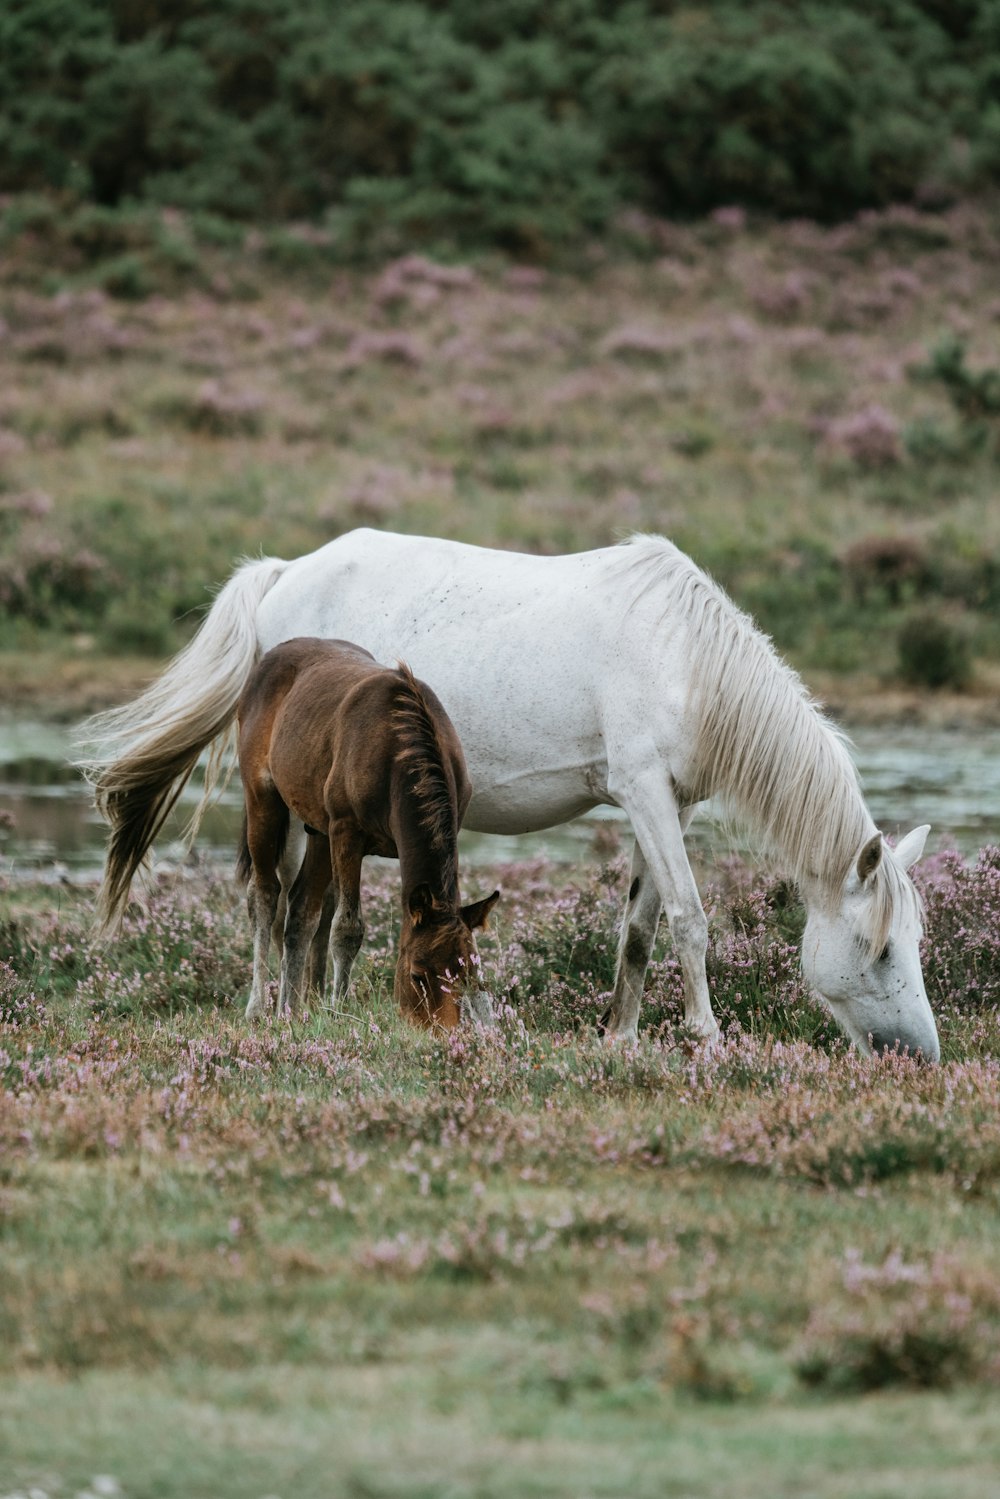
[{"x": 139, "y": 757}]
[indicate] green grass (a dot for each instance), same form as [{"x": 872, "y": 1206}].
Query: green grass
[
  {"x": 347, "y": 1257},
  {"x": 440, "y": 1418}
]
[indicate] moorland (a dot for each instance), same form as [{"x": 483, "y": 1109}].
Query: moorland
[{"x": 344, "y": 1256}]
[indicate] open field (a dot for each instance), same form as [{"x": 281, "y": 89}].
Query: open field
[
  {"x": 783, "y": 401},
  {"x": 342, "y": 1257},
  {"x": 345, "y": 1257}
]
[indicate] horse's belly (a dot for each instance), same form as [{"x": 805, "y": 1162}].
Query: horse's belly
[{"x": 527, "y": 804}]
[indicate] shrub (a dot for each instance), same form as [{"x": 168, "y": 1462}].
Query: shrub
[
  {"x": 911, "y": 1325},
  {"x": 521, "y": 127},
  {"x": 887, "y": 566},
  {"x": 933, "y": 653},
  {"x": 870, "y": 437},
  {"x": 961, "y": 948}
]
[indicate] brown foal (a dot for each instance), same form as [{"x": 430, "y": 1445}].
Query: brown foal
[{"x": 366, "y": 757}]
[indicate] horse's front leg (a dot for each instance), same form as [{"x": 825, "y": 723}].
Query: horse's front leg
[
  {"x": 659, "y": 826},
  {"x": 348, "y": 929},
  {"x": 306, "y": 901}
]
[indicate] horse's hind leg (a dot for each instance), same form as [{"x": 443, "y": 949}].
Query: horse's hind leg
[
  {"x": 638, "y": 933},
  {"x": 306, "y": 901}
]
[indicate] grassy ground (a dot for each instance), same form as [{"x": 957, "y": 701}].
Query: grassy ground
[
  {"x": 762, "y": 395},
  {"x": 346, "y": 1257}
]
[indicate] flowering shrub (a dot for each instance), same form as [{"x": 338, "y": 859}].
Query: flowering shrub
[
  {"x": 869, "y": 437},
  {"x": 18, "y": 1006},
  {"x": 961, "y": 948},
  {"x": 919, "y": 1324}
]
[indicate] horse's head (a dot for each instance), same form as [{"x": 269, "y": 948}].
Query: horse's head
[
  {"x": 438, "y": 980},
  {"x": 862, "y": 954}
]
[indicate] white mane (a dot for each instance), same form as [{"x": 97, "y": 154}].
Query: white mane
[{"x": 762, "y": 743}]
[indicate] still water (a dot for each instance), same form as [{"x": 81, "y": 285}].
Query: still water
[{"x": 48, "y": 829}]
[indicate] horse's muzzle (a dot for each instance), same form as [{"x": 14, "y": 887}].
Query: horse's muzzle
[{"x": 921, "y": 1049}]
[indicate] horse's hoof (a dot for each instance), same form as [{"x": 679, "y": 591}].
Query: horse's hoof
[
  {"x": 707, "y": 1041},
  {"x": 627, "y": 1037}
]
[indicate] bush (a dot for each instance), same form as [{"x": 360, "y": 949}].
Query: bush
[
  {"x": 974, "y": 396},
  {"x": 521, "y": 127},
  {"x": 933, "y": 653}
]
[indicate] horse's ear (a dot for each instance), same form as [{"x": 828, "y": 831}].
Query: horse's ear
[
  {"x": 870, "y": 857},
  {"x": 420, "y": 904},
  {"x": 477, "y": 913},
  {"x": 909, "y": 849}
]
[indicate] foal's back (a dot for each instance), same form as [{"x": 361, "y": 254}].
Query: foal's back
[{"x": 317, "y": 719}]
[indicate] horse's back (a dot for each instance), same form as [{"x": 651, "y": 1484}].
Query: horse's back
[{"x": 545, "y": 664}]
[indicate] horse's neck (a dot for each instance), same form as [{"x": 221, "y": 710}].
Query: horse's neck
[
  {"x": 779, "y": 765},
  {"x": 425, "y": 857}
]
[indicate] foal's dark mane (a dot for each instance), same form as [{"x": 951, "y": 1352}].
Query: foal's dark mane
[{"x": 425, "y": 761}]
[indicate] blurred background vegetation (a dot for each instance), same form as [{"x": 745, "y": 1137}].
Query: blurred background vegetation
[
  {"x": 526, "y": 274},
  {"x": 520, "y": 123}
]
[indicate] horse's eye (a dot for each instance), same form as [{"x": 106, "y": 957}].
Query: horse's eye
[{"x": 884, "y": 953}]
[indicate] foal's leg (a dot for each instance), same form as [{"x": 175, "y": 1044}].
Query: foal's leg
[
  {"x": 289, "y": 865},
  {"x": 348, "y": 930},
  {"x": 318, "y": 952},
  {"x": 305, "y": 907},
  {"x": 265, "y": 819},
  {"x": 659, "y": 830}
]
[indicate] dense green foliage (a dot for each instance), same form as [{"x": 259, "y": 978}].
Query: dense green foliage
[{"x": 516, "y": 123}]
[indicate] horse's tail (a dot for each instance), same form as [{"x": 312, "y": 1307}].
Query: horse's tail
[{"x": 139, "y": 757}]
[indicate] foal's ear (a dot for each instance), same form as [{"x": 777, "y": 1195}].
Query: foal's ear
[
  {"x": 909, "y": 849},
  {"x": 476, "y": 915},
  {"x": 420, "y": 904},
  {"x": 870, "y": 857}
]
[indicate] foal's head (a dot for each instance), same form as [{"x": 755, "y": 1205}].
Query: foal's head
[{"x": 437, "y": 972}]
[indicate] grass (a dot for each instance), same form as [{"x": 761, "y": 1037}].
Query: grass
[
  {"x": 346, "y": 1256},
  {"x": 751, "y": 391},
  {"x": 394, "y": 1434}
]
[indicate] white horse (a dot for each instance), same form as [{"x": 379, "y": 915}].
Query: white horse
[{"x": 622, "y": 677}]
